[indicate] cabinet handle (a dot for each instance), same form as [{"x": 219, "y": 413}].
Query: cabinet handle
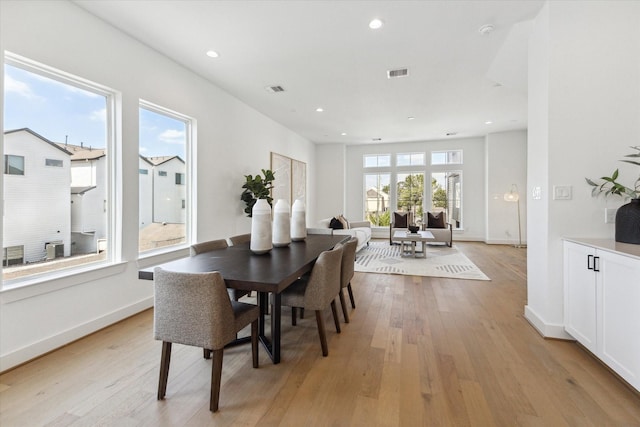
[
  {"x": 596, "y": 263},
  {"x": 589, "y": 259}
]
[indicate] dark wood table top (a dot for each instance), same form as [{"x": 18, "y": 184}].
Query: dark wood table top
[{"x": 242, "y": 269}]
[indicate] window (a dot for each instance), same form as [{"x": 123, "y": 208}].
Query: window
[
  {"x": 452, "y": 157},
  {"x": 13, "y": 165},
  {"x": 377, "y": 190},
  {"x": 179, "y": 178},
  {"x": 377, "y": 160},
  {"x": 164, "y": 142},
  {"x": 53, "y": 162},
  {"x": 68, "y": 122},
  {"x": 410, "y": 193},
  {"x": 410, "y": 159},
  {"x": 143, "y": 171},
  {"x": 446, "y": 195}
]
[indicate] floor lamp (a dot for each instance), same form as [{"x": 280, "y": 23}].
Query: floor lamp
[{"x": 513, "y": 196}]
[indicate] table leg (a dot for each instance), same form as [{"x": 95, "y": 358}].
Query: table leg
[{"x": 272, "y": 346}]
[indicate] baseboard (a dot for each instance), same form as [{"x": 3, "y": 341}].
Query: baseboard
[
  {"x": 547, "y": 330},
  {"x": 32, "y": 351}
]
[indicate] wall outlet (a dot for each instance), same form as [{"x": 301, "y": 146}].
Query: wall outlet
[
  {"x": 610, "y": 215},
  {"x": 562, "y": 192}
]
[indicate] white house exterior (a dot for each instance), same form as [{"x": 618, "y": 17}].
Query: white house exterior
[
  {"x": 145, "y": 186},
  {"x": 36, "y": 203},
  {"x": 169, "y": 189}
]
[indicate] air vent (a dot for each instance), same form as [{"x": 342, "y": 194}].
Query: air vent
[
  {"x": 274, "y": 89},
  {"x": 376, "y": 139},
  {"x": 400, "y": 72}
]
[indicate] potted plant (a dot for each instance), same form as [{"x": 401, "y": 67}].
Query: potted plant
[
  {"x": 257, "y": 187},
  {"x": 627, "y": 216}
]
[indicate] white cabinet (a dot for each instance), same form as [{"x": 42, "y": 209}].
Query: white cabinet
[{"x": 602, "y": 305}]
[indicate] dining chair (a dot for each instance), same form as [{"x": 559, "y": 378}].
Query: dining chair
[
  {"x": 195, "y": 309},
  {"x": 317, "y": 291},
  {"x": 212, "y": 245},
  {"x": 240, "y": 238},
  {"x": 346, "y": 274}
]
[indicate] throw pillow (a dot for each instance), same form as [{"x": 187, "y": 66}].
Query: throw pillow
[
  {"x": 335, "y": 224},
  {"x": 400, "y": 219},
  {"x": 345, "y": 223},
  {"x": 435, "y": 221}
]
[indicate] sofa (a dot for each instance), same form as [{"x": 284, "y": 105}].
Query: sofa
[{"x": 361, "y": 230}]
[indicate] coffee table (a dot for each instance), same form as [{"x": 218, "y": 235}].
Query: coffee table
[{"x": 408, "y": 239}]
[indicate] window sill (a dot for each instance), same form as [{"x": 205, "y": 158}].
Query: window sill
[
  {"x": 151, "y": 258},
  {"x": 17, "y": 290}
]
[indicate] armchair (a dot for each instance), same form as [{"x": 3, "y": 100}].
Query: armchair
[{"x": 437, "y": 224}]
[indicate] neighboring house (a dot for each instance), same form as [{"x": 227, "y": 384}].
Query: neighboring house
[
  {"x": 377, "y": 201},
  {"x": 36, "y": 197},
  {"x": 169, "y": 189},
  {"x": 88, "y": 197},
  {"x": 145, "y": 186}
]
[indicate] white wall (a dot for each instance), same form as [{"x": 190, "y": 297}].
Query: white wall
[
  {"x": 584, "y": 113},
  {"x": 506, "y": 165},
  {"x": 330, "y": 161},
  {"x": 233, "y": 140}
]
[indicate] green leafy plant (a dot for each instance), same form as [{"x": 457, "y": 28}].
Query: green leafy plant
[
  {"x": 257, "y": 187},
  {"x": 610, "y": 184}
]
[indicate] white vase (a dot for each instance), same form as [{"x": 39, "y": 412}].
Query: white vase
[
  {"x": 261, "y": 227},
  {"x": 281, "y": 224},
  {"x": 298, "y": 221}
]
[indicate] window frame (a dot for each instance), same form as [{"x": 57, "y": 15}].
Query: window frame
[
  {"x": 7, "y": 158},
  {"x": 55, "y": 163},
  {"x": 411, "y": 154},
  {"x": 377, "y": 156},
  {"x": 37, "y": 284}
]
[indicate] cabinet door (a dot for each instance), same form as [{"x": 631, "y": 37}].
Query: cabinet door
[
  {"x": 619, "y": 343},
  {"x": 580, "y": 294}
]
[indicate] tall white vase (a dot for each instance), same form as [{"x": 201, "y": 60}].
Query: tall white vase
[
  {"x": 261, "y": 227},
  {"x": 281, "y": 224},
  {"x": 298, "y": 221}
]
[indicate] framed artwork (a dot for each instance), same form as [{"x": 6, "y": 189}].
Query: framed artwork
[{"x": 290, "y": 178}]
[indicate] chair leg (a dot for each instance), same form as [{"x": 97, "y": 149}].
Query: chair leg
[
  {"x": 294, "y": 312},
  {"x": 344, "y": 306},
  {"x": 164, "y": 369},
  {"x": 254, "y": 342},
  {"x": 334, "y": 312},
  {"x": 206, "y": 353},
  {"x": 323, "y": 336},
  {"x": 353, "y": 302},
  {"x": 216, "y": 374},
  {"x": 302, "y": 312}
]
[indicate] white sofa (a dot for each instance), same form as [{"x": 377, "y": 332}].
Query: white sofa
[{"x": 361, "y": 230}]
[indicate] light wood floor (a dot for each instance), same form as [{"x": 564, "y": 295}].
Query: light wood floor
[{"x": 418, "y": 351}]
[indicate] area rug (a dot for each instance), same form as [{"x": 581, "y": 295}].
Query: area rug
[{"x": 441, "y": 261}]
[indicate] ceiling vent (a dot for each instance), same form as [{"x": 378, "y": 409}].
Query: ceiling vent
[
  {"x": 275, "y": 89},
  {"x": 400, "y": 72},
  {"x": 377, "y": 139}
]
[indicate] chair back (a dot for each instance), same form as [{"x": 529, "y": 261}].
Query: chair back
[
  {"x": 435, "y": 219},
  {"x": 324, "y": 282},
  {"x": 240, "y": 238},
  {"x": 192, "y": 309},
  {"x": 211, "y": 245},
  {"x": 401, "y": 219},
  {"x": 348, "y": 262}
]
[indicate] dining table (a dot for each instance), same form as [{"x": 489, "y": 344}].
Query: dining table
[{"x": 267, "y": 273}]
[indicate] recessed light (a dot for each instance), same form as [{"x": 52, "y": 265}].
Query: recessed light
[
  {"x": 485, "y": 30},
  {"x": 319, "y": 109},
  {"x": 488, "y": 122},
  {"x": 376, "y": 24},
  {"x": 411, "y": 118},
  {"x": 212, "y": 54},
  {"x": 343, "y": 134}
]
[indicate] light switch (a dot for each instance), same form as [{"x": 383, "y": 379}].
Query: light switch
[
  {"x": 610, "y": 215},
  {"x": 561, "y": 192}
]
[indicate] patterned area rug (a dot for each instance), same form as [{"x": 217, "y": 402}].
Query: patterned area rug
[{"x": 441, "y": 261}]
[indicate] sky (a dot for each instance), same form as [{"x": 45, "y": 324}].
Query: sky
[{"x": 61, "y": 112}]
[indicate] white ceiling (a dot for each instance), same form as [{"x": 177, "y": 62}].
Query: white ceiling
[{"x": 324, "y": 55}]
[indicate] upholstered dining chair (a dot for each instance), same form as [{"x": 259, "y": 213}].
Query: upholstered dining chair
[
  {"x": 317, "y": 291},
  {"x": 195, "y": 309},
  {"x": 346, "y": 274},
  {"x": 212, "y": 245},
  {"x": 240, "y": 238}
]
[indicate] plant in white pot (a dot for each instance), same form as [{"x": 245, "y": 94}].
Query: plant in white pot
[{"x": 628, "y": 216}]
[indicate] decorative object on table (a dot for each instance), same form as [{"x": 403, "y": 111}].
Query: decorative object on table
[
  {"x": 514, "y": 196},
  {"x": 256, "y": 188},
  {"x": 281, "y": 224},
  {"x": 298, "y": 221},
  {"x": 628, "y": 216},
  {"x": 413, "y": 228},
  {"x": 261, "y": 227}
]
